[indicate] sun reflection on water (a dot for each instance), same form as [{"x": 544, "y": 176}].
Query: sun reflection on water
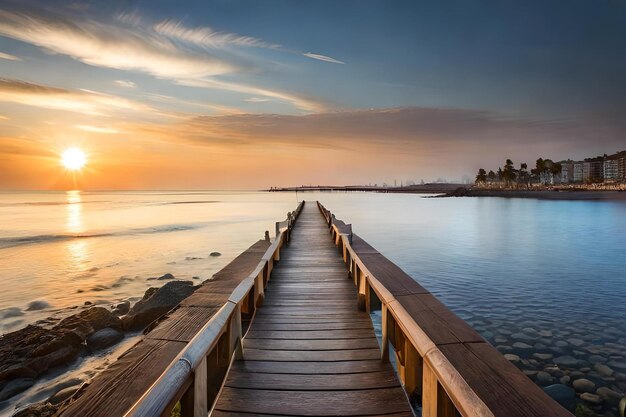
[{"x": 74, "y": 215}]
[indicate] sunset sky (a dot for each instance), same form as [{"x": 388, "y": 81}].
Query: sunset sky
[{"x": 230, "y": 94}]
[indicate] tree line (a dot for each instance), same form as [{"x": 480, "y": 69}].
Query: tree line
[{"x": 508, "y": 174}]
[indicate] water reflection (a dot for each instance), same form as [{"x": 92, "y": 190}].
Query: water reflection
[{"x": 74, "y": 213}]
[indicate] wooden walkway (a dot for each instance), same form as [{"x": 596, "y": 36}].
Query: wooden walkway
[{"x": 310, "y": 351}]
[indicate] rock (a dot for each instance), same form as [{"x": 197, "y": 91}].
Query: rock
[
  {"x": 104, "y": 338},
  {"x": 545, "y": 333},
  {"x": 521, "y": 346},
  {"x": 215, "y": 254},
  {"x": 121, "y": 308},
  {"x": 562, "y": 394},
  {"x": 88, "y": 303},
  {"x": 597, "y": 359},
  {"x": 157, "y": 302},
  {"x": 87, "y": 322},
  {"x": 561, "y": 343},
  {"x": 10, "y": 312},
  {"x": 37, "y": 410},
  {"x": 28, "y": 352},
  {"x": 15, "y": 386},
  {"x": 568, "y": 361},
  {"x": 592, "y": 398},
  {"x": 63, "y": 395},
  {"x": 609, "y": 395},
  {"x": 603, "y": 369},
  {"x": 584, "y": 385},
  {"x": 167, "y": 276},
  {"x": 576, "y": 342},
  {"x": 565, "y": 379},
  {"x": 511, "y": 357},
  {"x": 38, "y": 305},
  {"x": 523, "y": 336},
  {"x": 544, "y": 378},
  {"x": 542, "y": 356}
]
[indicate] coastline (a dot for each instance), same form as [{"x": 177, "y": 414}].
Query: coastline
[{"x": 563, "y": 195}]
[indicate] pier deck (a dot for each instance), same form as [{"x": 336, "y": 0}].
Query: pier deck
[{"x": 310, "y": 351}]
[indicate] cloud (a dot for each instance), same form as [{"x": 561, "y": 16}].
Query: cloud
[
  {"x": 9, "y": 57},
  {"x": 207, "y": 37},
  {"x": 322, "y": 58},
  {"x": 256, "y": 100},
  {"x": 79, "y": 101},
  {"x": 96, "y": 129},
  {"x": 125, "y": 84},
  {"x": 300, "y": 102},
  {"x": 112, "y": 46}
]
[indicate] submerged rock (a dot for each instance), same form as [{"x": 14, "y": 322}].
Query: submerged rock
[
  {"x": 562, "y": 394},
  {"x": 584, "y": 385},
  {"x": 167, "y": 276},
  {"x": 38, "y": 305},
  {"x": 104, "y": 338},
  {"x": 157, "y": 302},
  {"x": 121, "y": 308},
  {"x": 215, "y": 254}
]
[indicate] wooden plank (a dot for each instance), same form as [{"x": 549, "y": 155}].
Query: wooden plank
[
  {"x": 119, "y": 386},
  {"x": 313, "y": 403},
  {"x": 218, "y": 413},
  {"x": 499, "y": 384},
  {"x": 317, "y": 368},
  {"x": 294, "y": 344},
  {"x": 323, "y": 325},
  {"x": 183, "y": 324},
  {"x": 310, "y": 334},
  {"x": 313, "y": 355},
  {"x": 302, "y": 382}
]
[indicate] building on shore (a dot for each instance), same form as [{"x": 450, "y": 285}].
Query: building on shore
[
  {"x": 578, "y": 171},
  {"x": 567, "y": 171},
  {"x": 593, "y": 169},
  {"x": 611, "y": 168}
]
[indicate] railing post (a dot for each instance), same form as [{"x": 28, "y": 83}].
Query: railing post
[
  {"x": 277, "y": 228},
  {"x": 267, "y": 235},
  {"x": 200, "y": 393},
  {"x": 429, "y": 392},
  {"x": 412, "y": 369},
  {"x": 236, "y": 334},
  {"x": 384, "y": 343},
  {"x": 362, "y": 282}
]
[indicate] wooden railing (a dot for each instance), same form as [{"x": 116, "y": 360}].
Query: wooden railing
[
  {"x": 443, "y": 364},
  {"x": 195, "y": 376}
]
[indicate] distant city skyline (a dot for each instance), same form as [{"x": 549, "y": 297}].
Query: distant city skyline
[{"x": 248, "y": 95}]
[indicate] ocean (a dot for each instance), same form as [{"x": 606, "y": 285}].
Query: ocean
[{"x": 548, "y": 274}]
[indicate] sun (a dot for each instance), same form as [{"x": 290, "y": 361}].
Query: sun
[{"x": 73, "y": 159}]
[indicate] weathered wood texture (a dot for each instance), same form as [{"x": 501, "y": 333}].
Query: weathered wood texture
[
  {"x": 310, "y": 351},
  {"x": 503, "y": 388},
  {"x": 118, "y": 387}
]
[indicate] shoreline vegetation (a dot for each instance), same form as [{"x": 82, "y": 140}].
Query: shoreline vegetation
[{"x": 613, "y": 191}]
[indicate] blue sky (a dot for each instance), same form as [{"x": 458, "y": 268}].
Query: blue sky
[{"x": 520, "y": 79}]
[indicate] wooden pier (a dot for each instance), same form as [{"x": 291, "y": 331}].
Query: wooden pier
[{"x": 286, "y": 330}]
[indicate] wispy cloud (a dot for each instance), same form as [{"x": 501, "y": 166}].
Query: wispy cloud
[
  {"x": 256, "y": 100},
  {"x": 79, "y": 101},
  {"x": 112, "y": 46},
  {"x": 96, "y": 129},
  {"x": 9, "y": 57},
  {"x": 125, "y": 84},
  {"x": 302, "y": 103},
  {"x": 322, "y": 58},
  {"x": 207, "y": 37}
]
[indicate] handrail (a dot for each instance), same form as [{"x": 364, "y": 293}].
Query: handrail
[
  {"x": 191, "y": 362},
  {"x": 423, "y": 363}
]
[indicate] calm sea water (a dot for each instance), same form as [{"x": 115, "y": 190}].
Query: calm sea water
[{"x": 542, "y": 273}]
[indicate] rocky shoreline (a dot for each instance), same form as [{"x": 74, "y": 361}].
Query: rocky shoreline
[{"x": 54, "y": 344}]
